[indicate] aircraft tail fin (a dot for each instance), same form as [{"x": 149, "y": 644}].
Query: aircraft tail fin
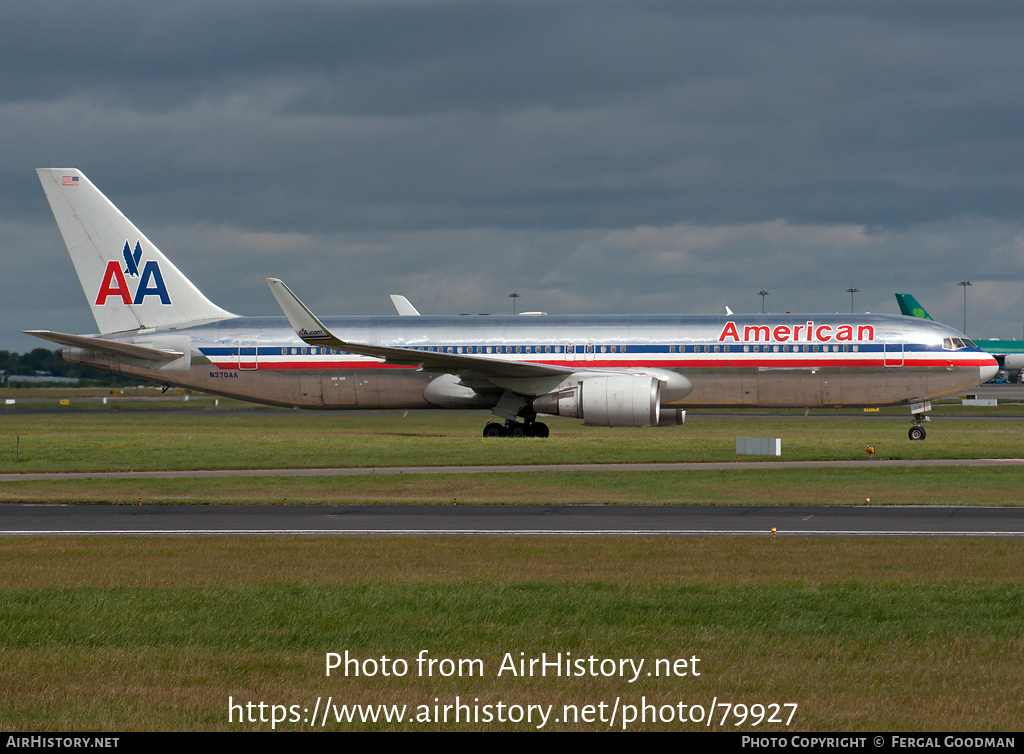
[
  {"x": 910, "y": 308},
  {"x": 129, "y": 283}
]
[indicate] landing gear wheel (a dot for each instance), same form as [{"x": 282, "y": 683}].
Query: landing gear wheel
[
  {"x": 516, "y": 429},
  {"x": 916, "y": 433},
  {"x": 493, "y": 429}
]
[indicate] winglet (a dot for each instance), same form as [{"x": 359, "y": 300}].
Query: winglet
[
  {"x": 302, "y": 320},
  {"x": 403, "y": 306}
]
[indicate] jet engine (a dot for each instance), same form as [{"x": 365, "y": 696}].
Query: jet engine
[{"x": 618, "y": 400}]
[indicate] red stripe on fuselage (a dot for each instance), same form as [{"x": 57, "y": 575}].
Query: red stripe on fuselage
[{"x": 735, "y": 361}]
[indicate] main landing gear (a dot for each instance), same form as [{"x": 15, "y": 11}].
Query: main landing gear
[{"x": 516, "y": 429}]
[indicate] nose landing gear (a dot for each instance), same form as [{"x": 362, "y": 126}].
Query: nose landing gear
[{"x": 918, "y": 409}]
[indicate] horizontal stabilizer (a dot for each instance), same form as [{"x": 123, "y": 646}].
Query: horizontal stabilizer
[{"x": 107, "y": 346}]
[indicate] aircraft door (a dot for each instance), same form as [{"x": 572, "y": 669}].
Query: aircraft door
[
  {"x": 892, "y": 348},
  {"x": 248, "y": 354}
]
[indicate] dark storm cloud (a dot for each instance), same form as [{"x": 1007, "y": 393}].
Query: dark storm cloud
[
  {"x": 559, "y": 114},
  {"x": 614, "y": 156}
]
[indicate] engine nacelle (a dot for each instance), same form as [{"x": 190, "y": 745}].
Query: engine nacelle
[{"x": 618, "y": 400}]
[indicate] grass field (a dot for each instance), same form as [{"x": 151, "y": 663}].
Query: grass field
[
  {"x": 206, "y": 439},
  {"x": 91, "y": 441},
  {"x": 157, "y": 634},
  {"x": 988, "y": 486}
]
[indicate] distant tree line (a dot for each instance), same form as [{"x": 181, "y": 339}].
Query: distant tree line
[{"x": 46, "y": 362}]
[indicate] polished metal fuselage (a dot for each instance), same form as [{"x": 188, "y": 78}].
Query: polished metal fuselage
[{"x": 738, "y": 360}]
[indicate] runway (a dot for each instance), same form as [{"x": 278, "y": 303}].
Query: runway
[{"x": 18, "y": 519}]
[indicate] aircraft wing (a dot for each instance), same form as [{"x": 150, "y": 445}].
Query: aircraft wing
[{"x": 312, "y": 331}]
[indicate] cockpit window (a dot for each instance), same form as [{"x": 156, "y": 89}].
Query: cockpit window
[{"x": 955, "y": 344}]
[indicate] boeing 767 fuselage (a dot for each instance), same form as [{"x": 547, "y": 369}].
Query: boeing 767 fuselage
[{"x": 617, "y": 371}]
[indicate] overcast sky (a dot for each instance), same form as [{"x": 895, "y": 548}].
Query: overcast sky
[{"x": 605, "y": 157}]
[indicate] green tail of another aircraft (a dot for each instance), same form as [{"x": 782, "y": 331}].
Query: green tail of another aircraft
[{"x": 910, "y": 306}]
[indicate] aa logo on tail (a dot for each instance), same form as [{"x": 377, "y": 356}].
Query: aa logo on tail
[{"x": 151, "y": 281}]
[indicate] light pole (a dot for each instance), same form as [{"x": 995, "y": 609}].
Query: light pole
[
  {"x": 851, "y": 291},
  {"x": 965, "y": 283},
  {"x": 514, "y": 295},
  {"x": 762, "y": 293}
]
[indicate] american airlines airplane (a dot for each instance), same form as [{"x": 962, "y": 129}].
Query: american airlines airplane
[
  {"x": 1009, "y": 354},
  {"x": 612, "y": 371}
]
